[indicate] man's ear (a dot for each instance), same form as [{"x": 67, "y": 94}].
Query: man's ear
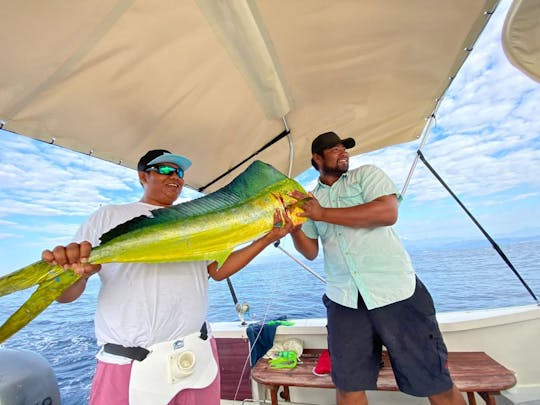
[
  {"x": 317, "y": 159},
  {"x": 143, "y": 178}
]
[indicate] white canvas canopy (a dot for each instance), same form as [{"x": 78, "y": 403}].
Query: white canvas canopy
[
  {"x": 521, "y": 37},
  {"x": 214, "y": 80}
]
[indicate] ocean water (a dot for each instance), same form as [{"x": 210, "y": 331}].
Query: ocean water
[{"x": 275, "y": 285}]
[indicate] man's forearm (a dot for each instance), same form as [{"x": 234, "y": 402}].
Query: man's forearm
[
  {"x": 380, "y": 212},
  {"x": 73, "y": 292},
  {"x": 308, "y": 247}
]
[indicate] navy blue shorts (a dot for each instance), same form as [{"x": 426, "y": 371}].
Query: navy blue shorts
[{"x": 409, "y": 331}]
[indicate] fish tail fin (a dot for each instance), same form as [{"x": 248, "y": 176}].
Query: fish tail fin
[
  {"x": 28, "y": 276},
  {"x": 45, "y": 294}
]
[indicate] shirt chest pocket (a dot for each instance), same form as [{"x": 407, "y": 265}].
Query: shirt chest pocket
[{"x": 353, "y": 196}]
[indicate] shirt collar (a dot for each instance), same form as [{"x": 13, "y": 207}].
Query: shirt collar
[{"x": 321, "y": 184}]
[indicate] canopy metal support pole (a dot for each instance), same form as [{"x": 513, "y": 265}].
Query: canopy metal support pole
[
  {"x": 493, "y": 244},
  {"x": 276, "y": 244},
  {"x": 424, "y": 137},
  {"x": 291, "y": 145}
]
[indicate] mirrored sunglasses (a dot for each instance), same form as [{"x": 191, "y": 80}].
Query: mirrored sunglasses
[{"x": 166, "y": 170}]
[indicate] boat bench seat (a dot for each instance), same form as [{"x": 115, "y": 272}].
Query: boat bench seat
[{"x": 472, "y": 372}]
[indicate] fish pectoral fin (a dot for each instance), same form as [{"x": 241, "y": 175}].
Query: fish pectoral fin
[
  {"x": 35, "y": 273},
  {"x": 40, "y": 299}
]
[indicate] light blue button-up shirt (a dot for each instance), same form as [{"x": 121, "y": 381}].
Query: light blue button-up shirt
[{"x": 370, "y": 260}]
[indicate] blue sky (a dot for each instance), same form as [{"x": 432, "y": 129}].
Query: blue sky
[{"x": 485, "y": 144}]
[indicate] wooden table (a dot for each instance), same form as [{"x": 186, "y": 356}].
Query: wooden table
[{"x": 471, "y": 372}]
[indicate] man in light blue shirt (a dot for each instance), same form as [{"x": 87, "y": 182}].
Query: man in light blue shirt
[{"x": 373, "y": 297}]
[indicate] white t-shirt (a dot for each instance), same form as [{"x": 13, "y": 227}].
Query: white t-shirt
[{"x": 141, "y": 304}]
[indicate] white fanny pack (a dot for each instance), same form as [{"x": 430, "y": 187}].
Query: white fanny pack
[{"x": 171, "y": 367}]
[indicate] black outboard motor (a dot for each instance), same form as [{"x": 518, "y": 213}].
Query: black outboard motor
[{"x": 26, "y": 378}]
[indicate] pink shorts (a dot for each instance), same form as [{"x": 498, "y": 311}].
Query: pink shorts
[{"x": 111, "y": 386}]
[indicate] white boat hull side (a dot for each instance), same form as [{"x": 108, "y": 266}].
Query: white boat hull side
[{"x": 509, "y": 335}]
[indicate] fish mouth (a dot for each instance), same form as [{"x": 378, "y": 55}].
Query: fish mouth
[
  {"x": 292, "y": 206},
  {"x": 280, "y": 200}
]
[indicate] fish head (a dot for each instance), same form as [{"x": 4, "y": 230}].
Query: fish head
[
  {"x": 292, "y": 206},
  {"x": 295, "y": 209}
]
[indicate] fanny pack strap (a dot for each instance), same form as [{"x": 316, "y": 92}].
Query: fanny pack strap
[
  {"x": 139, "y": 353},
  {"x": 133, "y": 353}
]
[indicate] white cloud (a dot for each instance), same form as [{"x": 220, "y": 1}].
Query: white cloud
[{"x": 485, "y": 145}]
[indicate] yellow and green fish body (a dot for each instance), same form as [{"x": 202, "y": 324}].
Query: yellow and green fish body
[
  {"x": 208, "y": 228},
  {"x": 171, "y": 237}
]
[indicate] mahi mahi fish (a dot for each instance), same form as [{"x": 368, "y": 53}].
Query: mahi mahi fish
[{"x": 207, "y": 228}]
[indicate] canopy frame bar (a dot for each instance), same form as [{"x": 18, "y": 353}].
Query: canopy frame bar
[{"x": 236, "y": 166}]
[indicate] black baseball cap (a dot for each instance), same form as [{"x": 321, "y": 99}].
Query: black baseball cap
[
  {"x": 329, "y": 140},
  {"x": 155, "y": 156}
]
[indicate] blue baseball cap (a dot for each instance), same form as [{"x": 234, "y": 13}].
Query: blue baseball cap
[{"x": 156, "y": 156}]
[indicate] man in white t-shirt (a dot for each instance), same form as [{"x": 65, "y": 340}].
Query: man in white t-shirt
[{"x": 142, "y": 304}]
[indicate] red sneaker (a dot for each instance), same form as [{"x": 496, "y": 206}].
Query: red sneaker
[{"x": 323, "y": 364}]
